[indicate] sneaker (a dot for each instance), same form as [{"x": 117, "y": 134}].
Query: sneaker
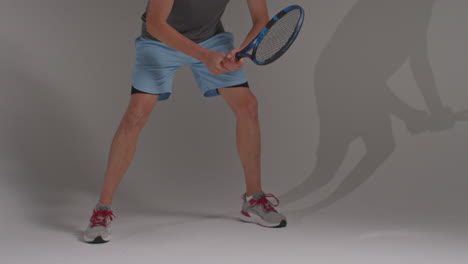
[
  {"x": 98, "y": 228},
  {"x": 259, "y": 210}
]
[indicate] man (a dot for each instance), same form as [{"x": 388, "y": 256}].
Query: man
[{"x": 189, "y": 32}]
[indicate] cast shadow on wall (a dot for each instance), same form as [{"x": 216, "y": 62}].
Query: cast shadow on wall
[{"x": 354, "y": 101}]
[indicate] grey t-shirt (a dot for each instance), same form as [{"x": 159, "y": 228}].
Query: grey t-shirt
[{"x": 198, "y": 20}]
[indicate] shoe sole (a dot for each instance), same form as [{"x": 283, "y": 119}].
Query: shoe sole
[
  {"x": 255, "y": 219},
  {"x": 97, "y": 240}
]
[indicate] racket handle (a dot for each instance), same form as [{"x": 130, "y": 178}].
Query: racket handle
[{"x": 239, "y": 56}]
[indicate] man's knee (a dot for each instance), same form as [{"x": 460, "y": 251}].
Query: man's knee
[
  {"x": 135, "y": 116},
  {"x": 247, "y": 107}
]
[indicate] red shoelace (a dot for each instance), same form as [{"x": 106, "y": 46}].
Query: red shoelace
[
  {"x": 265, "y": 203},
  {"x": 99, "y": 218}
]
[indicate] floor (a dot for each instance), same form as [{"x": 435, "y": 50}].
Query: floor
[{"x": 332, "y": 235}]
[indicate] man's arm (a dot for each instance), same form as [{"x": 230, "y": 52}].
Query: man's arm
[
  {"x": 156, "y": 19},
  {"x": 259, "y": 14}
]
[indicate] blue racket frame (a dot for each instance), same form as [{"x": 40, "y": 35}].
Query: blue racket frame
[{"x": 254, "y": 44}]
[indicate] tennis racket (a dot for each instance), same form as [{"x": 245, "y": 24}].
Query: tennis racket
[{"x": 276, "y": 37}]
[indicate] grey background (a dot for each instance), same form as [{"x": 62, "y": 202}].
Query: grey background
[{"x": 380, "y": 192}]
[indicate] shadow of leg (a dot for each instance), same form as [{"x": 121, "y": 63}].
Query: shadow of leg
[
  {"x": 331, "y": 152},
  {"x": 379, "y": 147}
]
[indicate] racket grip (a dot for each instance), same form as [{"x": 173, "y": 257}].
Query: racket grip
[{"x": 239, "y": 56}]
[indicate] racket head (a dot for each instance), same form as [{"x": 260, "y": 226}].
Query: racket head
[{"x": 277, "y": 36}]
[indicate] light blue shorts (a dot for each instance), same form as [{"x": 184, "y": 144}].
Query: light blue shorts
[{"x": 156, "y": 64}]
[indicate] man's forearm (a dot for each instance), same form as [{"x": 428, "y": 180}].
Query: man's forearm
[
  {"x": 256, "y": 28},
  {"x": 171, "y": 37}
]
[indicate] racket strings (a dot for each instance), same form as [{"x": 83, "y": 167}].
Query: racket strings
[{"x": 278, "y": 36}]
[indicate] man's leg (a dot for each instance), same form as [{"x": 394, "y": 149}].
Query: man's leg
[
  {"x": 121, "y": 154},
  {"x": 244, "y": 106},
  {"x": 256, "y": 207},
  {"x": 124, "y": 142}
]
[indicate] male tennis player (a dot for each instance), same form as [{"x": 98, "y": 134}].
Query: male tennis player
[{"x": 189, "y": 32}]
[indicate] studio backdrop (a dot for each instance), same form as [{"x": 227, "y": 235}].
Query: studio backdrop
[{"x": 362, "y": 118}]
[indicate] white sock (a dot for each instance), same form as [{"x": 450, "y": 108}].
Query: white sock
[
  {"x": 100, "y": 206},
  {"x": 248, "y": 198}
]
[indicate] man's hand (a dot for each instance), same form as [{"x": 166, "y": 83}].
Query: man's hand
[
  {"x": 215, "y": 63},
  {"x": 219, "y": 63},
  {"x": 231, "y": 63}
]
